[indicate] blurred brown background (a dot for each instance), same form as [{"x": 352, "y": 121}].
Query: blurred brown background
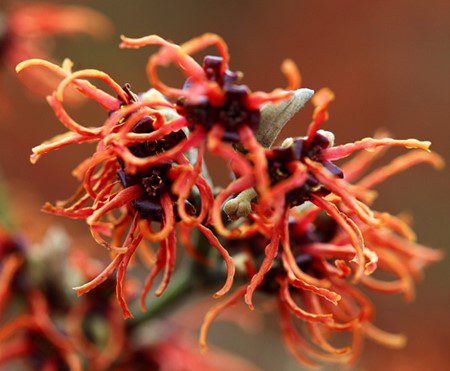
[{"x": 388, "y": 63}]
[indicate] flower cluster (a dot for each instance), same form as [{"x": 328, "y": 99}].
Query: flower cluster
[
  {"x": 302, "y": 221},
  {"x": 332, "y": 303},
  {"x": 321, "y": 239}
]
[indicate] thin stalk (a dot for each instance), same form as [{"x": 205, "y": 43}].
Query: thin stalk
[{"x": 181, "y": 286}]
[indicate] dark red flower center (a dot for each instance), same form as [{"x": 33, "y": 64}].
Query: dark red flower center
[
  {"x": 155, "y": 180},
  {"x": 321, "y": 231},
  {"x": 232, "y": 113},
  {"x": 279, "y": 159}
]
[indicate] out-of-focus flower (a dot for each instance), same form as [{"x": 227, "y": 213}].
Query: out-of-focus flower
[
  {"x": 30, "y": 300},
  {"x": 106, "y": 342},
  {"x": 26, "y": 27},
  {"x": 41, "y": 329},
  {"x": 175, "y": 350}
]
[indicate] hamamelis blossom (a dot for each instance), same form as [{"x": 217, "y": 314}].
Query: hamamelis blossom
[
  {"x": 30, "y": 334},
  {"x": 25, "y": 27},
  {"x": 332, "y": 303},
  {"x": 302, "y": 170},
  {"x": 213, "y": 104},
  {"x": 316, "y": 260},
  {"x": 144, "y": 182},
  {"x": 146, "y": 151},
  {"x": 125, "y": 205}
]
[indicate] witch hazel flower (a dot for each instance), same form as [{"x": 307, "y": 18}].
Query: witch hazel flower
[
  {"x": 216, "y": 108},
  {"x": 147, "y": 152},
  {"x": 25, "y": 28},
  {"x": 213, "y": 104},
  {"x": 302, "y": 170},
  {"x": 340, "y": 306},
  {"x": 332, "y": 304},
  {"x": 142, "y": 184},
  {"x": 295, "y": 247},
  {"x": 121, "y": 203}
]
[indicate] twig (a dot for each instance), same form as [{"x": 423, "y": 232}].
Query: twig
[{"x": 181, "y": 286}]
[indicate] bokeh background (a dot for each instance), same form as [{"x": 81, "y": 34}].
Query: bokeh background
[{"x": 388, "y": 63}]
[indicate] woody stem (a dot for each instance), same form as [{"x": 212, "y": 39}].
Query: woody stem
[{"x": 181, "y": 286}]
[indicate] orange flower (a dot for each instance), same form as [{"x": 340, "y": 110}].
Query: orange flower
[
  {"x": 115, "y": 194},
  {"x": 302, "y": 170},
  {"x": 213, "y": 104},
  {"x": 143, "y": 175},
  {"x": 293, "y": 248}
]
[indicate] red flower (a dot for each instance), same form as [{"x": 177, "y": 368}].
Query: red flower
[
  {"x": 302, "y": 170},
  {"x": 141, "y": 176},
  {"x": 213, "y": 104},
  {"x": 352, "y": 236},
  {"x": 160, "y": 193}
]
